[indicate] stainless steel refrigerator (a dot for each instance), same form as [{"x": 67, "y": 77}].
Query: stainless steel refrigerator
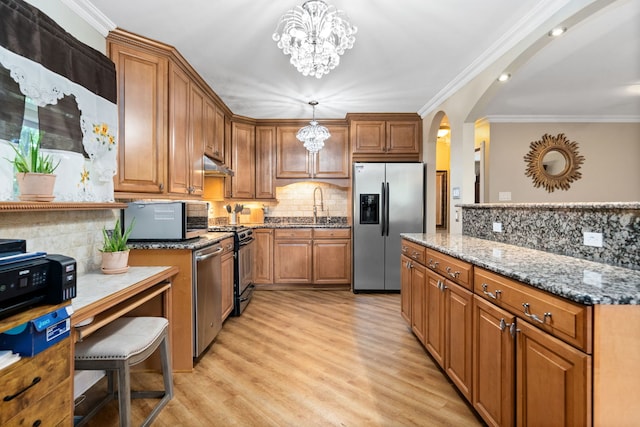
[{"x": 387, "y": 200}]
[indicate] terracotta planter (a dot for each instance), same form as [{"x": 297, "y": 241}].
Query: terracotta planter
[
  {"x": 115, "y": 262},
  {"x": 36, "y": 187}
]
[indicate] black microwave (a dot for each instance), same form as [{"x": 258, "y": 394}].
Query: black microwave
[{"x": 166, "y": 220}]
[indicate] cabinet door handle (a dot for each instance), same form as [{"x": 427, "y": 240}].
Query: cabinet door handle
[
  {"x": 35, "y": 381},
  {"x": 453, "y": 274},
  {"x": 489, "y": 294},
  {"x": 441, "y": 286},
  {"x": 534, "y": 316},
  {"x": 161, "y": 186}
]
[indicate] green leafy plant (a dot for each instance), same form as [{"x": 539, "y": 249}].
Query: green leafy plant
[
  {"x": 31, "y": 159},
  {"x": 116, "y": 241}
]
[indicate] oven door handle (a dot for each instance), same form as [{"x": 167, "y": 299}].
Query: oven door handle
[{"x": 207, "y": 256}]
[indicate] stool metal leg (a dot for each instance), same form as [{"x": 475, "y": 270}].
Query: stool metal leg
[{"x": 124, "y": 394}]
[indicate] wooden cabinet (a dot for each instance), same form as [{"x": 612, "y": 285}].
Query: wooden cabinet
[
  {"x": 553, "y": 373},
  {"x": 214, "y": 131},
  {"x": 186, "y": 138},
  {"x": 418, "y": 300},
  {"x": 292, "y": 250},
  {"x": 294, "y": 161},
  {"x": 493, "y": 363},
  {"x": 405, "y": 288},
  {"x": 440, "y": 310},
  {"x": 331, "y": 256},
  {"x": 142, "y": 116},
  {"x": 226, "y": 268},
  {"x": 263, "y": 261},
  {"x": 395, "y": 137},
  {"x": 265, "y": 162},
  {"x": 552, "y": 379},
  {"x": 243, "y": 160},
  {"x": 37, "y": 390},
  {"x": 305, "y": 256}
]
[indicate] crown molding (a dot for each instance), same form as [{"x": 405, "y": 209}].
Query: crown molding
[
  {"x": 87, "y": 11},
  {"x": 518, "y": 32},
  {"x": 560, "y": 119}
]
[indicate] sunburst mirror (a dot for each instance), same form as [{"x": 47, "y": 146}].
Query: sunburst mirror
[{"x": 553, "y": 162}]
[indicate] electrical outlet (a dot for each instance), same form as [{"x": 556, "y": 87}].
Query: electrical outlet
[
  {"x": 592, "y": 239},
  {"x": 497, "y": 227}
]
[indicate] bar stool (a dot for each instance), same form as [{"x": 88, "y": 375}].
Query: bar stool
[{"x": 116, "y": 347}]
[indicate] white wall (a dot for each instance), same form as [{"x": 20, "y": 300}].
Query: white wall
[{"x": 610, "y": 172}]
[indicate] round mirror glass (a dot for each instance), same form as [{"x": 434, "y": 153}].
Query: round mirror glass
[{"x": 554, "y": 163}]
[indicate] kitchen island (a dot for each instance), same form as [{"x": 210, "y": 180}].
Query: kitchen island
[{"x": 527, "y": 336}]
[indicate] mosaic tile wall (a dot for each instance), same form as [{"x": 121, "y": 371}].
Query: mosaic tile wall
[
  {"x": 559, "y": 228},
  {"x": 77, "y": 234}
]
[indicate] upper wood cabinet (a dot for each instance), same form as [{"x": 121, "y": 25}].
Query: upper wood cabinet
[
  {"x": 142, "y": 115},
  {"x": 214, "y": 131},
  {"x": 294, "y": 161},
  {"x": 392, "y": 137},
  {"x": 265, "y": 162},
  {"x": 243, "y": 160},
  {"x": 167, "y": 114},
  {"x": 186, "y": 139}
]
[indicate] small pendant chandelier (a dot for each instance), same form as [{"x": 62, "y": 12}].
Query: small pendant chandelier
[
  {"x": 313, "y": 135},
  {"x": 315, "y": 35}
]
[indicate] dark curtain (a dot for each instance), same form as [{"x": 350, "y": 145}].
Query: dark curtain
[
  {"x": 28, "y": 32},
  {"x": 60, "y": 126},
  {"x": 11, "y": 107}
]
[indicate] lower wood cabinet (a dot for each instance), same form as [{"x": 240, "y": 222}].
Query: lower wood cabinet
[
  {"x": 37, "y": 390},
  {"x": 493, "y": 363},
  {"x": 553, "y": 380},
  {"x": 305, "y": 256},
  {"x": 263, "y": 260},
  {"x": 514, "y": 367},
  {"x": 226, "y": 268},
  {"x": 292, "y": 251}
]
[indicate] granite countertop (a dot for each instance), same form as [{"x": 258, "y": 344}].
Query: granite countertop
[
  {"x": 299, "y": 225},
  {"x": 570, "y": 205},
  {"x": 578, "y": 280},
  {"x": 208, "y": 239}
]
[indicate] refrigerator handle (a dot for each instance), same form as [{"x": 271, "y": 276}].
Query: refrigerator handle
[
  {"x": 386, "y": 214},
  {"x": 383, "y": 211}
]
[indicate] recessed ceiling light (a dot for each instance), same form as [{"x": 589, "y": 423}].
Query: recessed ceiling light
[
  {"x": 557, "y": 31},
  {"x": 504, "y": 77}
]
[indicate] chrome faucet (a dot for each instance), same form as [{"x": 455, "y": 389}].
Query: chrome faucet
[{"x": 315, "y": 207}]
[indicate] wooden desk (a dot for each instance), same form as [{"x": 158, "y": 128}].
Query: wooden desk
[{"x": 105, "y": 297}]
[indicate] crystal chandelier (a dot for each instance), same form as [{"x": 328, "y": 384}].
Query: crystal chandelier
[
  {"x": 315, "y": 35},
  {"x": 313, "y": 135}
]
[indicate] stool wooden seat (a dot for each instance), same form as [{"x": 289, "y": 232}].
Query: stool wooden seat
[{"x": 115, "y": 348}]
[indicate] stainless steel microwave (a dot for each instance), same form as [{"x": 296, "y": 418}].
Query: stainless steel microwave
[{"x": 166, "y": 220}]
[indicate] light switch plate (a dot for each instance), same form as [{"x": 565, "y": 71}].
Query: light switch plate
[
  {"x": 504, "y": 196},
  {"x": 497, "y": 227},
  {"x": 592, "y": 239}
]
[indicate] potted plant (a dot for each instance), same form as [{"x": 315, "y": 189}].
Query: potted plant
[
  {"x": 34, "y": 171},
  {"x": 115, "y": 252}
]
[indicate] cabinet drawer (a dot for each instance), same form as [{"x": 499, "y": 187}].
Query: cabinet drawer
[
  {"x": 569, "y": 321},
  {"x": 227, "y": 245},
  {"x": 451, "y": 268},
  {"x": 414, "y": 251},
  {"x": 293, "y": 233},
  {"x": 53, "y": 409},
  {"x": 331, "y": 233},
  {"x": 34, "y": 377}
]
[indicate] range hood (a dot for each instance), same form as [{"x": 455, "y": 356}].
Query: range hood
[{"x": 211, "y": 167}]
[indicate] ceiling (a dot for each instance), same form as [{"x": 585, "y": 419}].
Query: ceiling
[{"x": 405, "y": 59}]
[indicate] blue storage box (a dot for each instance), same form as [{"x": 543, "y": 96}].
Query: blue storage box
[{"x": 38, "y": 334}]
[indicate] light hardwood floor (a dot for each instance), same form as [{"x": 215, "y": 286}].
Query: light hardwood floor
[{"x": 310, "y": 358}]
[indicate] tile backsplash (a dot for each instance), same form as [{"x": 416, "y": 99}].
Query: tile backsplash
[
  {"x": 292, "y": 201},
  {"x": 77, "y": 234},
  {"x": 560, "y": 228}
]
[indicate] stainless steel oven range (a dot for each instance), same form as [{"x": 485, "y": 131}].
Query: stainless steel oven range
[{"x": 243, "y": 286}]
